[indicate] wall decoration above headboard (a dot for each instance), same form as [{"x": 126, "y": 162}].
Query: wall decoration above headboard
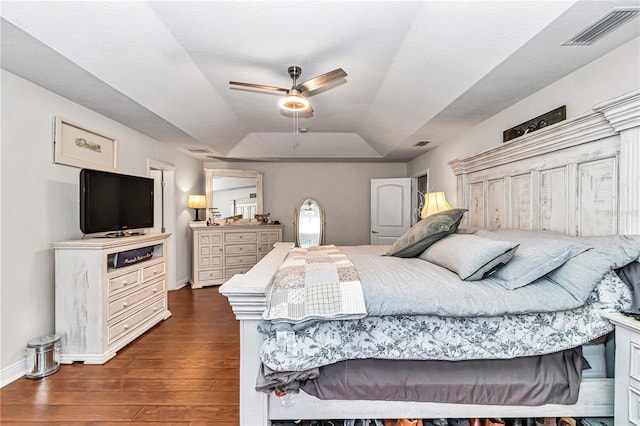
[
  {"x": 544, "y": 120},
  {"x": 577, "y": 177}
]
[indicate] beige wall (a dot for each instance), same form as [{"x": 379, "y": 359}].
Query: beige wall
[
  {"x": 40, "y": 204},
  {"x": 341, "y": 188},
  {"x": 610, "y": 76}
]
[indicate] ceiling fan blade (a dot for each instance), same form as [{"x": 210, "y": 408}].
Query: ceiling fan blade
[
  {"x": 258, "y": 86},
  {"x": 321, "y": 80}
]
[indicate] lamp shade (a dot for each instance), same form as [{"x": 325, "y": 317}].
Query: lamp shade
[
  {"x": 196, "y": 202},
  {"x": 434, "y": 202}
]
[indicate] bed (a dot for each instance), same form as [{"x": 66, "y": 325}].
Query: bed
[{"x": 578, "y": 177}]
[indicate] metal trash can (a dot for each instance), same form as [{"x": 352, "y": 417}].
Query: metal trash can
[{"x": 43, "y": 356}]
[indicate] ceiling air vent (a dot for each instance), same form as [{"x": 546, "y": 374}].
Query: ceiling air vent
[
  {"x": 197, "y": 150},
  {"x": 603, "y": 26},
  {"x": 422, "y": 143}
]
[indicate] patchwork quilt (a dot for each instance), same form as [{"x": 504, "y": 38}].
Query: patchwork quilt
[{"x": 315, "y": 283}]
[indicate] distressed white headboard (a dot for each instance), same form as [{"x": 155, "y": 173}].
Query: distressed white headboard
[{"x": 580, "y": 176}]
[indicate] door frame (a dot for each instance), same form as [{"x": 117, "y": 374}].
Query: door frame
[
  {"x": 415, "y": 216},
  {"x": 169, "y": 209}
]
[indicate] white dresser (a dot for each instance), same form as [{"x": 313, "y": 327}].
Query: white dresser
[
  {"x": 100, "y": 308},
  {"x": 627, "y": 369},
  {"x": 220, "y": 252}
]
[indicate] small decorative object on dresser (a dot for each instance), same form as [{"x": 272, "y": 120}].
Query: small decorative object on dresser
[
  {"x": 223, "y": 251},
  {"x": 100, "y": 307},
  {"x": 263, "y": 218}
]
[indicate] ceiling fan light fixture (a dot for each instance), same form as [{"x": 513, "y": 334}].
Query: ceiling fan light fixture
[{"x": 294, "y": 101}]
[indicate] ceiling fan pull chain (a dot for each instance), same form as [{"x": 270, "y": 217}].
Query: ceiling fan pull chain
[{"x": 296, "y": 144}]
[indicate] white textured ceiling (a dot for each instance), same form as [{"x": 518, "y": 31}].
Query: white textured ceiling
[{"x": 418, "y": 70}]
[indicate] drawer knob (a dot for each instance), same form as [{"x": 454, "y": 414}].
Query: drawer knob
[
  {"x": 155, "y": 290},
  {"x": 155, "y": 272},
  {"x": 155, "y": 309},
  {"x": 125, "y": 304},
  {"x": 125, "y": 282},
  {"x": 126, "y": 327}
]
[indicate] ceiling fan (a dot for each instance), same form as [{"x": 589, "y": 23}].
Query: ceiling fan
[{"x": 295, "y": 99}]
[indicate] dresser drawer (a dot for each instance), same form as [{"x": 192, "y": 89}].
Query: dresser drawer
[
  {"x": 133, "y": 300},
  {"x": 153, "y": 271},
  {"x": 268, "y": 237},
  {"x": 264, "y": 237},
  {"x": 240, "y": 249},
  {"x": 634, "y": 406},
  {"x": 634, "y": 363},
  {"x": 210, "y": 250},
  {"x": 123, "y": 282},
  {"x": 240, "y": 261},
  {"x": 210, "y": 240},
  {"x": 210, "y": 261},
  {"x": 229, "y": 272},
  {"x": 132, "y": 322},
  {"x": 213, "y": 274},
  {"x": 240, "y": 237},
  {"x": 265, "y": 248}
]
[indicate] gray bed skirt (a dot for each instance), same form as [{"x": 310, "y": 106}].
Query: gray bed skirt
[{"x": 536, "y": 380}]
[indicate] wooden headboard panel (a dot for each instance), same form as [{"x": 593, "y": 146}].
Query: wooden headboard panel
[{"x": 579, "y": 176}]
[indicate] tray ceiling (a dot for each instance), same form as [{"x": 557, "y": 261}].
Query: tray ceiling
[{"x": 416, "y": 70}]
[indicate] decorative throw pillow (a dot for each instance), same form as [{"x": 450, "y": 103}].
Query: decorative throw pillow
[
  {"x": 536, "y": 256},
  {"x": 426, "y": 232},
  {"x": 471, "y": 257}
]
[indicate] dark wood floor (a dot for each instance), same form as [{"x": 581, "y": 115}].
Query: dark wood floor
[{"x": 184, "y": 371}]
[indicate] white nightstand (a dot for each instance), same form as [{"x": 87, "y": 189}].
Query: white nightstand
[{"x": 627, "y": 365}]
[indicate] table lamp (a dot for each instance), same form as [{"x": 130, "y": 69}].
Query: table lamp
[
  {"x": 434, "y": 202},
  {"x": 197, "y": 202}
]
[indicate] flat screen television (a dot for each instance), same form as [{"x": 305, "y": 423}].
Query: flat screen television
[{"x": 114, "y": 203}]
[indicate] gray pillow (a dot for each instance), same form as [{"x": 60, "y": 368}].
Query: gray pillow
[
  {"x": 426, "y": 232},
  {"x": 471, "y": 257},
  {"x": 609, "y": 252},
  {"x": 535, "y": 257}
]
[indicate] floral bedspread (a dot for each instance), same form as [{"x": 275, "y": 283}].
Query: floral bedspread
[{"x": 447, "y": 338}]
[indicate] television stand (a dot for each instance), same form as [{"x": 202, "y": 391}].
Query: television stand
[{"x": 100, "y": 308}]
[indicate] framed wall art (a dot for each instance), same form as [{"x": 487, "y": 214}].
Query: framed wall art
[{"x": 77, "y": 146}]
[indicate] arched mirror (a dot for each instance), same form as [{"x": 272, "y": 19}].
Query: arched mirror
[{"x": 309, "y": 223}]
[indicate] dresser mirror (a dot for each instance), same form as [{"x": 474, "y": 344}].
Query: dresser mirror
[
  {"x": 309, "y": 223},
  {"x": 233, "y": 193}
]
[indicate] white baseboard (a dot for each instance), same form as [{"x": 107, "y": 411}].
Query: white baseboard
[
  {"x": 18, "y": 369},
  {"x": 12, "y": 372},
  {"x": 181, "y": 283}
]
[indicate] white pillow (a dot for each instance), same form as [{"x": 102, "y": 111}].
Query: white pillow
[{"x": 471, "y": 257}]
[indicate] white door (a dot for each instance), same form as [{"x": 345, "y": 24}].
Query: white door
[{"x": 390, "y": 209}]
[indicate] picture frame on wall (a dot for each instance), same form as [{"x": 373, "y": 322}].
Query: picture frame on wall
[{"x": 78, "y": 146}]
